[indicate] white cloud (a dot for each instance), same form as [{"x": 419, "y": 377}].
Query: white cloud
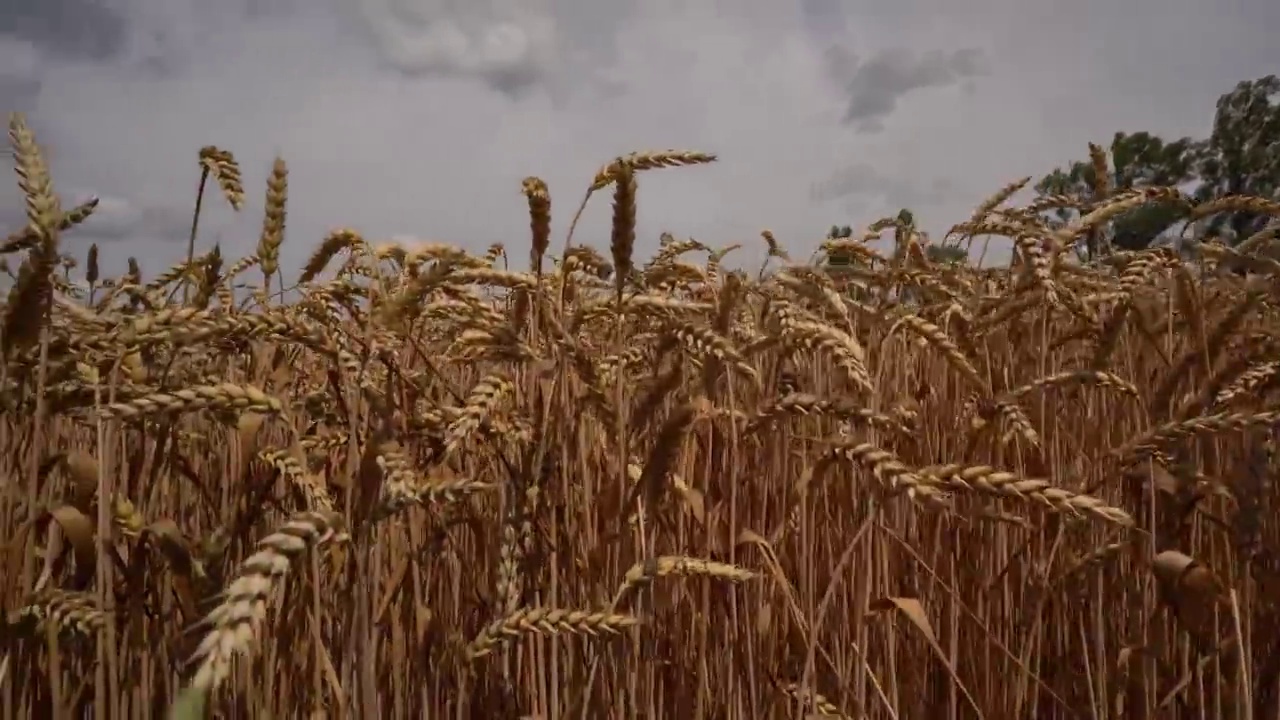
[{"x": 420, "y": 117}]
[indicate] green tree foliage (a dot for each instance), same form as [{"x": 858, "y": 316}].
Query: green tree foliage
[
  {"x": 902, "y": 231},
  {"x": 947, "y": 254},
  {"x": 839, "y": 259},
  {"x": 1242, "y": 156},
  {"x": 1137, "y": 160}
]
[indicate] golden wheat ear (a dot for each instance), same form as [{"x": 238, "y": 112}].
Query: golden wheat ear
[{"x": 232, "y": 627}]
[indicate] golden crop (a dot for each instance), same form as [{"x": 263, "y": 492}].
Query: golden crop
[{"x": 416, "y": 483}]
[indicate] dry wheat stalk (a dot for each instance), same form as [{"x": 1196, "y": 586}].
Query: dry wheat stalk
[{"x": 636, "y": 409}]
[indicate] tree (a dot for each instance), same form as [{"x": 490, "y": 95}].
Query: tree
[
  {"x": 902, "y": 231},
  {"x": 839, "y": 259},
  {"x": 1242, "y": 156},
  {"x": 1137, "y": 160},
  {"x": 947, "y": 254}
]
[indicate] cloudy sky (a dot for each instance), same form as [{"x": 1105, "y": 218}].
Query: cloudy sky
[{"x": 419, "y": 118}]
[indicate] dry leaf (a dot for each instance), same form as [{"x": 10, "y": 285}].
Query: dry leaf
[
  {"x": 79, "y": 530},
  {"x": 914, "y": 611},
  {"x": 1192, "y": 591}
]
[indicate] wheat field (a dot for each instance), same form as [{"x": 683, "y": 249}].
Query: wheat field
[{"x": 411, "y": 482}]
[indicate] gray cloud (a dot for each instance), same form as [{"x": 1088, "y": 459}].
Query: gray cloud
[
  {"x": 502, "y": 44},
  {"x": 420, "y": 117},
  {"x": 874, "y": 87},
  {"x": 512, "y": 46},
  {"x": 69, "y": 29},
  {"x": 20, "y": 62},
  {"x": 862, "y": 188},
  {"x": 114, "y": 220}
]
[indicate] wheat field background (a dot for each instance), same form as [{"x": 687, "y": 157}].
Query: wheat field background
[{"x": 410, "y": 482}]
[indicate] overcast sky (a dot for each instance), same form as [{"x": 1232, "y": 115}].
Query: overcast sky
[{"x": 420, "y": 117}]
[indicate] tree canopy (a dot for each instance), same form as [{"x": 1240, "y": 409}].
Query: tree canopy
[{"x": 1241, "y": 156}]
